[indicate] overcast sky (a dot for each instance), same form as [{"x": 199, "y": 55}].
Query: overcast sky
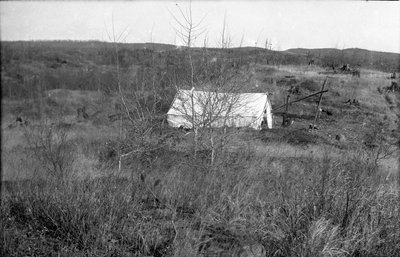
[{"x": 289, "y": 24}]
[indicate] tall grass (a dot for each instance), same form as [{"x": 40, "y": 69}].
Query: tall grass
[{"x": 289, "y": 207}]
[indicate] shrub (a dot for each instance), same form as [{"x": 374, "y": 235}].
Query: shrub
[
  {"x": 51, "y": 146},
  {"x": 108, "y": 152},
  {"x": 391, "y": 99},
  {"x": 320, "y": 205}
]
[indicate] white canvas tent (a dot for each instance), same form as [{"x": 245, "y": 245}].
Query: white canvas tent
[{"x": 204, "y": 109}]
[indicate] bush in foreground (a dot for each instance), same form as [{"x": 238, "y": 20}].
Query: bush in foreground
[{"x": 242, "y": 204}]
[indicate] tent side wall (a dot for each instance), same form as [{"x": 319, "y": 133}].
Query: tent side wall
[
  {"x": 178, "y": 121},
  {"x": 252, "y": 116},
  {"x": 242, "y": 121}
]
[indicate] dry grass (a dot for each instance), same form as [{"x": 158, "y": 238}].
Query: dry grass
[
  {"x": 283, "y": 192},
  {"x": 275, "y": 197},
  {"x": 279, "y": 199}
]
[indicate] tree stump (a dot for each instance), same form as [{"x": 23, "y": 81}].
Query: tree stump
[{"x": 81, "y": 113}]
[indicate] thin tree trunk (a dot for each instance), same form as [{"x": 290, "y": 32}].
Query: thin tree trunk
[
  {"x": 212, "y": 147},
  {"x": 194, "y": 127},
  {"x": 119, "y": 145}
]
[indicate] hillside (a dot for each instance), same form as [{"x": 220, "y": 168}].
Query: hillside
[
  {"x": 30, "y": 69},
  {"x": 361, "y": 58},
  {"x": 90, "y": 65},
  {"x": 91, "y": 167}
]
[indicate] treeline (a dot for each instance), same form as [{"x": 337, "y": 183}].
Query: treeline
[
  {"x": 387, "y": 62},
  {"x": 31, "y": 67}
]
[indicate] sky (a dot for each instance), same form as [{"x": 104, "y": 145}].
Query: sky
[{"x": 286, "y": 24}]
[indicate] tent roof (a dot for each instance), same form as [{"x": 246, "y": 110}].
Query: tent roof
[{"x": 219, "y": 104}]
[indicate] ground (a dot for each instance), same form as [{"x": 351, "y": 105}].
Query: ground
[
  {"x": 264, "y": 193},
  {"x": 352, "y": 122}
]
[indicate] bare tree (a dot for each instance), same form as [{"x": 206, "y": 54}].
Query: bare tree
[
  {"x": 268, "y": 44},
  {"x": 188, "y": 30},
  {"x": 151, "y": 33},
  {"x": 115, "y": 40},
  {"x": 226, "y": 40},
  {"x": 241, "y": 40},
  {"x": 205, "y": 41},
  {"x": 211, "y": 109},
  {"x": 258, "y": 38},
  {"x": 204, "y": 110},
  {"x": 135, "y": 108},
  {"x": 207, "y": 101},
  {"x": 51, "y": 146}
]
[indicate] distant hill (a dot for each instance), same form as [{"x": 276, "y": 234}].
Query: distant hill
[
  {"x": 90, "y": 65},
  {"x": 356, "y": 57}
]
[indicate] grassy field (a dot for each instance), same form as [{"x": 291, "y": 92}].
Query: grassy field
[{"x": 287, "y": 191}]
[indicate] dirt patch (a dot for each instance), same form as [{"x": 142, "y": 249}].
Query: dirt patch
[
  {"x": 286, "y": 82},
  {"x": 310, "y": 85},
  {"x": 292, "y": 136}
]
